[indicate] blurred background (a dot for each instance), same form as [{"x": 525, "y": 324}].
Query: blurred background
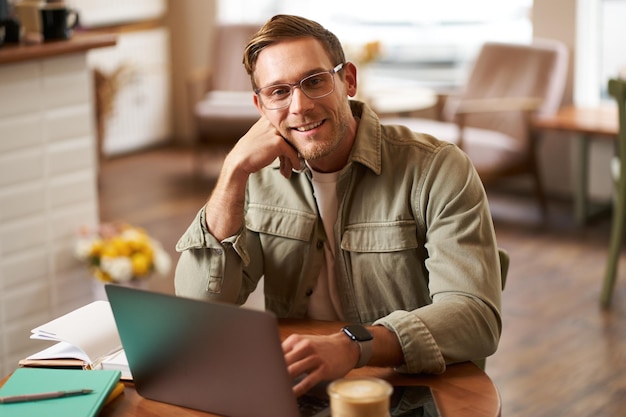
[
  {"x": 429, "y": 43},
  {"x": 49, "y": 184}
]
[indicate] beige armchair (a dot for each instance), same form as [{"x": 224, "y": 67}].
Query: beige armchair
[
  {"x": 490, "y": 119},
  {"x": 220, "y": 97}
]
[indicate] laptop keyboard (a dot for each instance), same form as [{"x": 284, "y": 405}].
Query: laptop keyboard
[{"x": 313, "y": 406}]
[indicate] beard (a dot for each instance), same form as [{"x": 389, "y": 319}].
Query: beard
[{"x": 319, "y": 147}]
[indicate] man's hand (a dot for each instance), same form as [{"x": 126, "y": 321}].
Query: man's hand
[
  {"x": 258, "y": 148},
  {"x": 320, "y": 358},
  {"x": 325, "y": 358}
]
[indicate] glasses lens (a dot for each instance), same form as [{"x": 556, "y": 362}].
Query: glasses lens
[
  {"x": 314, "y": 86},
  {"x": 318, "y": 85},
  {"x": 275, "y": 96}
]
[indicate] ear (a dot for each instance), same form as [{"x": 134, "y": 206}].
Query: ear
[
  {"x": 257, "y": 104},
  {"x": 350, "y": 80}
]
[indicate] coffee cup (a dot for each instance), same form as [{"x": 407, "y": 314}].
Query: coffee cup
[
  {"x": 57, "y": 21},
  {"x": 359, "y": 397}
]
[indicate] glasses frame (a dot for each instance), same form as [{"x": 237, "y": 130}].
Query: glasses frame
[{"x": 291, "y": 86}]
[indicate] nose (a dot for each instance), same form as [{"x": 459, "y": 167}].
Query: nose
[{"x": 299, "y": 101}]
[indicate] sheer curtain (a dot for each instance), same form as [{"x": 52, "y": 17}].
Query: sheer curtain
[{"x": 613, "y": 34}]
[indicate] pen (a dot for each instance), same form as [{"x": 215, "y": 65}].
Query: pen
[{"x": 43, "y": 396}]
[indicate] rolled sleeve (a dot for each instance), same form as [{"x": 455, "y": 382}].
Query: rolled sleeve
[
  {"x": 205, "y": 262},
  {"x": 420, "y": 350}
]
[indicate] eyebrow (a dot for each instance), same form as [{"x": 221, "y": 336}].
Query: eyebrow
[{"x": 301, "y": 77}]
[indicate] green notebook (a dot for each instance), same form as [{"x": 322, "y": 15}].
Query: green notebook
[{"x": 37, "y": 380}]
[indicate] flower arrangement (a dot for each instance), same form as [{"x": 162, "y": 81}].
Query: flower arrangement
[
  {"x": 364, "y": 54},
  {"x": 119, "y": 252}
]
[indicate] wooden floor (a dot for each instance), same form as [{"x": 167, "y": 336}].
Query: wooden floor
[{"x": 560, "y": 355}]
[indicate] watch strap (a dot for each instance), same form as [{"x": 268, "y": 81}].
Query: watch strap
[
  {"x": 366, "y": 352},
  {"x": 360, "y": 335}
]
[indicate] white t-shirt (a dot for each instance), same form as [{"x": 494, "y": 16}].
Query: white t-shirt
[{"x": 324, "y": 302}]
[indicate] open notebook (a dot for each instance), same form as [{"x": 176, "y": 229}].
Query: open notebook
[{"x": 83, "y": 338}]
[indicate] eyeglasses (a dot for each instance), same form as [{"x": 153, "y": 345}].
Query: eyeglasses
[{"x": 278, "y": 96}]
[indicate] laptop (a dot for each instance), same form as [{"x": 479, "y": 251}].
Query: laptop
[{"x": 208, "y": 356}]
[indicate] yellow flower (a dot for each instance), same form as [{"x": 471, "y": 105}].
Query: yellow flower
[
  {"x": 102, "y": 276},
  {"x": 121, "y": 246},
  {"x": 120, "y": 252},
  {"x": 141, "y": 263},
  {"x": 371, "y": 50},
  {"x": 364, "y": 54}
]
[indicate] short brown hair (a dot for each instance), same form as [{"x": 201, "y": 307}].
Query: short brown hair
[{"x": 285, "y": 27}]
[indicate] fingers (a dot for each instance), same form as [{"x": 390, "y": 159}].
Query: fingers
[
  {"x": 299, "y": 355},
  {"x": 318, "y": 358},
  {"x": 285, "y": 166},
  {"x": 261, "y": 145},
  {"x": 302, "y": 360},
  {"x": 306, "y": 384},
  {"x": 290, "y": 158},
  {"x": 290, "y": 161}
]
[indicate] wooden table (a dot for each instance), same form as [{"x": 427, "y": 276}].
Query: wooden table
[
  {"x": 400, "y": 100},
  {"x": 464, "y": 390},
  {"x": 585, "y": 123},
  {"x": 391, "y": 97}
]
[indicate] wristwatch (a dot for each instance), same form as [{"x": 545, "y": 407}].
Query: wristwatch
[{"x": 364, "y": 338}]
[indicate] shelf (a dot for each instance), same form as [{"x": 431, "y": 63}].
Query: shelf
[{"x": 80, "y": 42}]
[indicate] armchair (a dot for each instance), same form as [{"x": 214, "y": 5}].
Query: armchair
[
  {"x": 220, "y": 97},
  {"x": 490, "y": 119}
]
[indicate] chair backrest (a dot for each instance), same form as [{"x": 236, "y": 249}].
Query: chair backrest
[
  {"x": 503, "y": 70},
  {"x": 227, "y": 71},
  {"x": 504, "y": 265},
  {"x": 617, "y": 89}
]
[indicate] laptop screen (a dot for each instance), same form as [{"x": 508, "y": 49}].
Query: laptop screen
[{"x": 203, "y": 355}]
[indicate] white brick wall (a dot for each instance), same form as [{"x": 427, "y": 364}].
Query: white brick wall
[{"x": 47, "y": 191}]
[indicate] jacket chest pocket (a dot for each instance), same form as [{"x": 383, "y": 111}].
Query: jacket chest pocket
[
  {"x": 385, "y": 260},
  {"x": 384, "y": 237},
  {"x": 280, "y": 222}
]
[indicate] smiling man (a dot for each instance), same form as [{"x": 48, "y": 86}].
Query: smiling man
[{"x": 346, "y": 219}]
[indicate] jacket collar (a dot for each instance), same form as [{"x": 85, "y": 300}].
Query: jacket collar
[{"x": 367, "y": 146}]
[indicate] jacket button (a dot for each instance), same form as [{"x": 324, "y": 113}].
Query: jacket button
[{"x": 320, "y": 244}]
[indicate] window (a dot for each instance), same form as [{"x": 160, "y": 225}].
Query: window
[
  {"x": 423, "y": 41},
  {"x": 599, "y": 49},
  {"x": 612, "y": 49}
]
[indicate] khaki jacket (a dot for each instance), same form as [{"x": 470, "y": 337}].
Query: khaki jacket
[{"x": 416, "y": 249}]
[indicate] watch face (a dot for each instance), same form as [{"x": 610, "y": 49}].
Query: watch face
[{"x": 358, "y": 332}]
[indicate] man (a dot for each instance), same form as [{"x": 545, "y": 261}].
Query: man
[{"x": 347, "y": 220}]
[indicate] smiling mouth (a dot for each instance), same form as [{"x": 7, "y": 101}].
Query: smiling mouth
[{"x": 308, "y": 127}]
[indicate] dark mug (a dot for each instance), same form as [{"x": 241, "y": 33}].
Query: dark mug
[
  {"x": 9, "y": 31},
  {"x": 58, "y": 22}
]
